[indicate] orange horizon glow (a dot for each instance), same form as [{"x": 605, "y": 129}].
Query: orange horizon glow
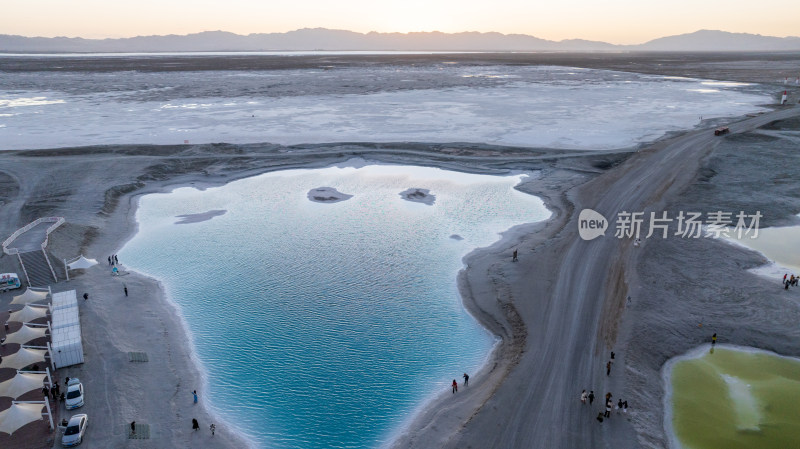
[{"x": 614, "y": 21}]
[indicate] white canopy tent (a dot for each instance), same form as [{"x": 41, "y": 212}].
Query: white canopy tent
[
  {"x": 21, "y": 383},
  {"x": 30, "y": 296},
  {"x": 25, "y": 334},
  {"x": 81, "y": 262},
  {"x": 22, "y": 413},
  {"x": 28, "y": 313},
  {"x": 77, "y": 264},
  {"x": 23, "y": 358}
]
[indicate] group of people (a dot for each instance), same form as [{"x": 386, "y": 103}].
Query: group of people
[
  {"x": 610, "y": 362},
  {"x": 622, "y": 406},
  {"x": 54, "y": 392},
  {"x": 455, "y": 384},
  {"x": 791, "y": 281},
  {"x": 196, "y": 426},
  {"x": 195, "y": 423},
  {"x": 112, "y": 260}
]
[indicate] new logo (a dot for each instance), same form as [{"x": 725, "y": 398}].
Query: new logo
[{"x": 591, "y": 224}]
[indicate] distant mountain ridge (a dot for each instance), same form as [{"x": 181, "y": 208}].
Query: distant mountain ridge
[{"x": 341, "y": 40}]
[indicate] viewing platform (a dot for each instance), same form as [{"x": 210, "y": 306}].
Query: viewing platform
[{"x": 28, "y": 244}]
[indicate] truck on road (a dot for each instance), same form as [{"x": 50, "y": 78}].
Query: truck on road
[{"x": 721, "y": 130}]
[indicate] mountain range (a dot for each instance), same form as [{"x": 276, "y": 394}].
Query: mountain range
[{"x": 340, "y": 40}]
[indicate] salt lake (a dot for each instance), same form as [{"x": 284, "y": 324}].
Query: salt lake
[{"x": 326, "y": 325}]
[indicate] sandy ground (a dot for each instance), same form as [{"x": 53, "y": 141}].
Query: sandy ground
[
  {"x": 558, "y": 311},
  {"x": 96, "y": 189}
]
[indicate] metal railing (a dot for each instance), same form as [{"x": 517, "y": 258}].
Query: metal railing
[
  {"x": 24, "y": 271},
  {"x": 57, "y": 221}
]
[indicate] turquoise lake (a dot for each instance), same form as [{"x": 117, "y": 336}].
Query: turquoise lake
[{"x": 327, "y": 325}]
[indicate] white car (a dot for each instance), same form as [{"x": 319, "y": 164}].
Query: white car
[
  {"x": 74, "y": 394},
  {"x": 76, "y": 427}
]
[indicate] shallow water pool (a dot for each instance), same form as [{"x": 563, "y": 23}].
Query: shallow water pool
[
  {"x": 779, "y": 244},
  {"x": 326, "y": 325},
  {"x": 735, "y": 399}
]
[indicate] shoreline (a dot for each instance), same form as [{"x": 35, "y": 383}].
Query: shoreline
[
  {"x": 506, "y": 238},
  {"x": 490, "y": 291},
  {"x": 435, "y": 412},
  {"x": 554, "y": 187},
  {"x": 771, "y": 267},
  {"x": 126, "y": 213},
  {"x": 697, "y": 352},
  {"x": 166, "y": 301}
]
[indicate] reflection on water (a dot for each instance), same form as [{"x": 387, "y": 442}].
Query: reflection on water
[
  {"x": 325, "y": 325},
  {"x": 736, "y": 400}
]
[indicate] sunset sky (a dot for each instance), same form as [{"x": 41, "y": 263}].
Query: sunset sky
[{"x": 614, "y": 21}]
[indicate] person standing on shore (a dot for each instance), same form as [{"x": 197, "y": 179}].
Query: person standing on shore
[
  {"x": 194, "y": 393},
  {"x": 133, "y": 427},
  {"x": 213, "y": 428},
  {"x": 125, "y": 288},
  {"x": 195, "y": 424},
  {"x": 714, "y": 339},
  {"x": 608, "y": 368},
  {"x": 514, "y": 257},
  {"x": 455, "y": 386},
  {"x": 591, "y": 397},
  {"x": 109, "y": 261},
  {"x": 85, "y": 296},
  {"x": 583, "y": 397},
  {"x": 116, "y": 261},
  {"x": 466, "y": 379}
]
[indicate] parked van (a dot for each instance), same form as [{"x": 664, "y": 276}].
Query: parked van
[{"x": 9, "y": 281}]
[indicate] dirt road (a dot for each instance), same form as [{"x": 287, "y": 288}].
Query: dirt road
[{"x": 570, "y": 303}]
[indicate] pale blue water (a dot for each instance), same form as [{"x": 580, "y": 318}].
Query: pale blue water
[{"x": 326, "y": 325}]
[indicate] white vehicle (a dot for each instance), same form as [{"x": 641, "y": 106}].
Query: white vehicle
[
  {"x": 76, "y": 428},
  {"x": 74, "y": 394},
  {"x": 9, "y": 281}
]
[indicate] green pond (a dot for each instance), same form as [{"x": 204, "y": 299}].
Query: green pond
[{"x": 736, "y": 399}]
